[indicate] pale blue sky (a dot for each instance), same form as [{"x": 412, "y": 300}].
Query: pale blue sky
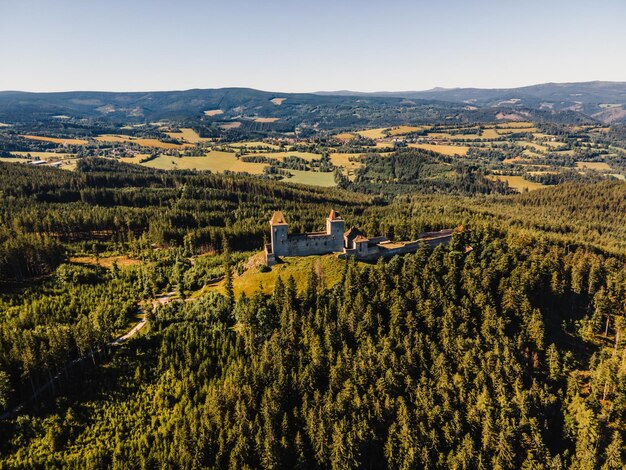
[{"x": 307, "y": 45}]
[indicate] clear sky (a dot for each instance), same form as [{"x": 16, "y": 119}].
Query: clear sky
[{"x": 295, "y": 45}]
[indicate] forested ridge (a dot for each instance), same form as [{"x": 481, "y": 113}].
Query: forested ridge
[{"x": 503, "y": 349}]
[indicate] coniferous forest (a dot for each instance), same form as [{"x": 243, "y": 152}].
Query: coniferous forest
[{"x": 504, "y": 349}]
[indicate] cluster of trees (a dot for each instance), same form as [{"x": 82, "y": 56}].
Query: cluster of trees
[
  {"x": 443, "y": 359},
  {"x": 505, "y": 349},
  {"x": 409, "y": 171}
]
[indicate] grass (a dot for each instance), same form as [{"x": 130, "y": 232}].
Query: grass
[
  {"x": 402, "y": 130},
  {"x": 518, "y": 182},
  {"x": 378, "y": 133},
  {"x": 345, "y": 136},
  {"x": 44, "y": 155},
  {"x": 213, "y": 112},
  {"x": 514, "y": 125},
  {"x": 55, "y": 140},
  {"x": 266, "y": 119},
  {"x": 106, "y": 262},
  {"x": 230, "y": 125},
  {"x": 600, "y": 166},
  {"x": 188, "y": 135},
  {"x": 215, "y": 161},
  {"x": 254, "y": 143},
  {"x": 154, "y": 143},
  {"x": 443, "y": 149},
  {"x": 312, "y": 178},
  {"x": 343, "y": 160},
  {"x": 533, "y": 145},
  {"x": 14, "y": 160},
  {"x": 328, "y": 266}
]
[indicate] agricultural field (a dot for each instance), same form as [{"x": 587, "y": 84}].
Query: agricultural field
[
  {"x": 254, "y": 143},
  {"x": 215, "y": 161},
  {"x": 55, "y": 140},
  {"x": 312, "y": 178},
  {"x": 44, "y": 155},
  {"x": 278, "y": 101},
  {"x": 213, "y": 112},
  {"x": 373, "y": 133},
  {"x": 403, "y": 130},
  {"x": 524, "y": 154},
  {"x": 155, "y": 143},
  {"x": 188, "y": 135},
  {"x": 600, "y": 166},
  {"x": 444, "y": 149},
  {"x": 266, "y": 119},
  {"x": 518, "y": 183}
]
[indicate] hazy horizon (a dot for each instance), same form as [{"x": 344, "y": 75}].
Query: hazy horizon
[{"x": 68, "y": 45}]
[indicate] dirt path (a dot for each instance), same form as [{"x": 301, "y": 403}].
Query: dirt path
[{"x": 161, "y": 300}]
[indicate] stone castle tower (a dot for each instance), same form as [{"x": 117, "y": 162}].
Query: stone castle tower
[{"x": 303, "y": 244}]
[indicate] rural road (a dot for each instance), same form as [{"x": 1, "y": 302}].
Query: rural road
[{"x": 161, "y": 300}]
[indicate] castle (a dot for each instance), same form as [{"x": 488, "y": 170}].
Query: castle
[{"x": 336, "y": 240}]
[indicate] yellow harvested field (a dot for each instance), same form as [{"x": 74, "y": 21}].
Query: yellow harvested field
[
  {"x": 402, "y": 130},
  {"x": 278, "y": 101},
  {"x": 254, "y": 143},
  {"x": 349, "y": 161},
  {"x": 510, "y": 161},
  {"x": 188, "y": 135},
  {"x": 213, "y": 112},
  {"x": 266, "y": 119},
  {"x": 139, "y": 141},
  {"x": 518, "y": 182},
  {"x": 554, "y": 145},
  {"x": 2, "y": 124},
  {"x": 44, "y": 155},
  {"x": 533, "y": 145},
  {"x": 14, "y": 160},
  {"x": 373, "y": 133},
  {"x": 214, "y": 161},
  {"x": 489, "y": 133},
  {"x": 345, "y": 159},
  {"x": 345, "y": 136},
  {"x": 230, "y": 125},
  {"x": 443, "y": 149},
  {"x": 55, "y": 140},
  {"x": 135, "y": 159},
  {"x": 600, "y": 166},
  {"x": 384, "y": 145}
]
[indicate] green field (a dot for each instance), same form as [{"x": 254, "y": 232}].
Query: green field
[
  {"x": 329, "y": 267},
  {"x": 312, "y": 178}
]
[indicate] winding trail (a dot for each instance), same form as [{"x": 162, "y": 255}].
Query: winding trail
[{"x": 160, "y": 300}]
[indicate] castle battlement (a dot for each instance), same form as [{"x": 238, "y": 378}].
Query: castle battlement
[{"x": 336, "y": 240}]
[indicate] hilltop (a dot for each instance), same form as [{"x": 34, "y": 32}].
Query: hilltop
[{"x": 600, "y": 100}]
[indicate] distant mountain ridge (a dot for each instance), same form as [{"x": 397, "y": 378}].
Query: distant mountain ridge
[
  {"x": 601, "y": 100},
  {"x": 284, "y": 112}
]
